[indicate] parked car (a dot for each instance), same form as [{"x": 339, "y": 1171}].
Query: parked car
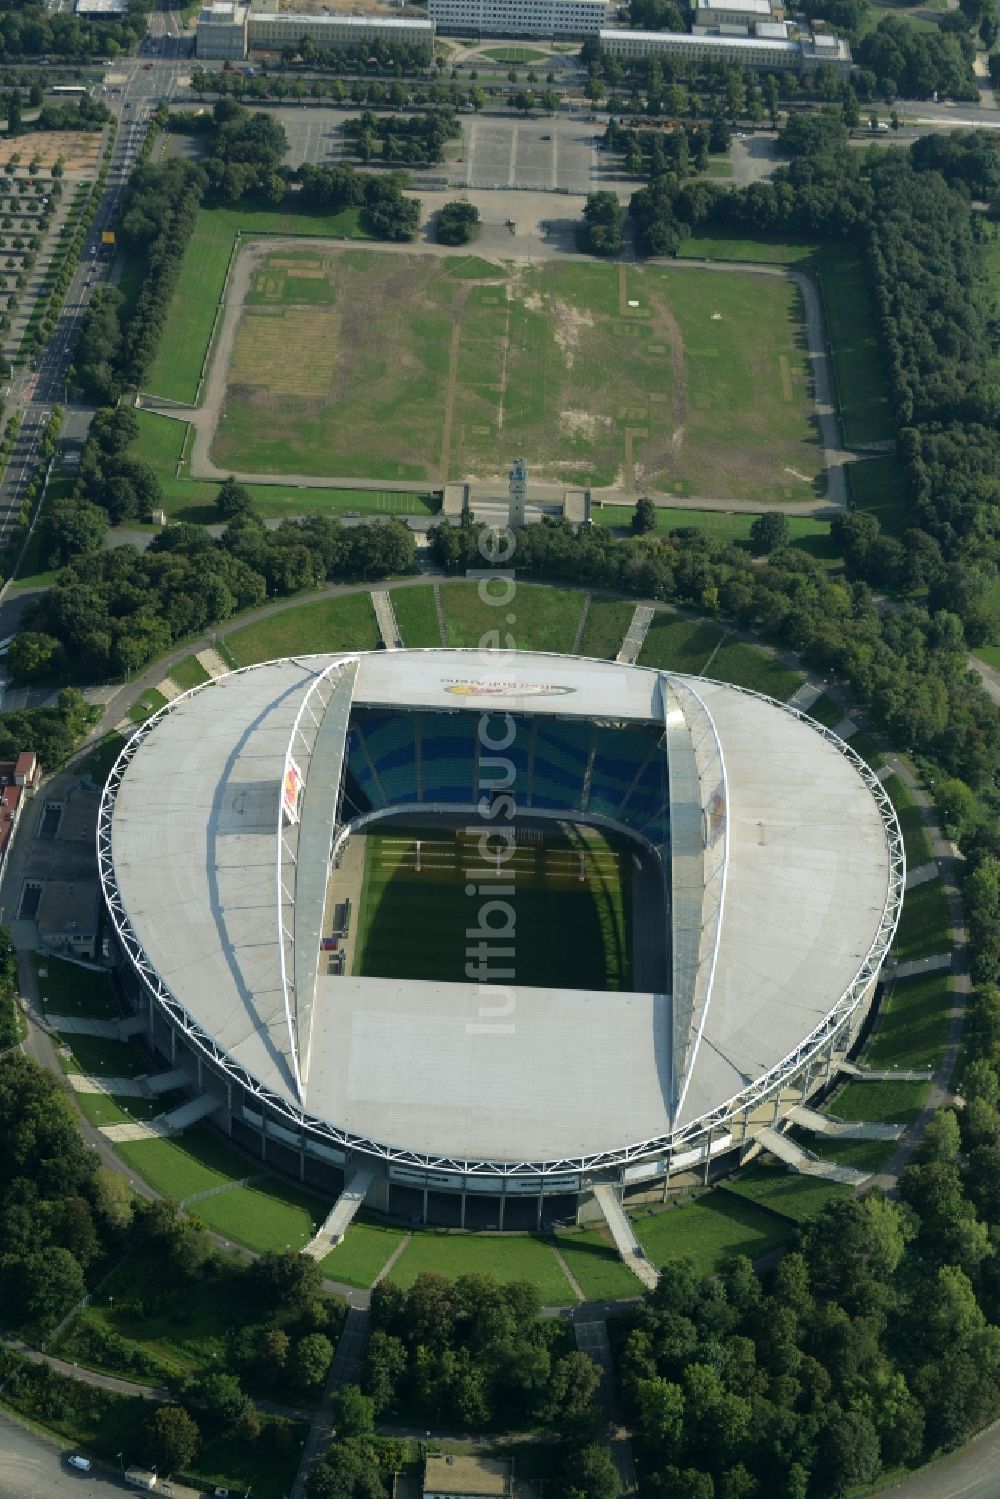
[{"x": 82, "y": 1464}]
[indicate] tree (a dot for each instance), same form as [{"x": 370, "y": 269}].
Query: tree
[
  {"x": 769, "y": 532},
  {"x": 312, "y": 1359},
  {"x": 72, "y": 527},
  {"x": 171, "y": 1438},
  {"x": 457, "y": 223},
  {"x": 589, "y": 1473},
  {"x": 286, "y": 1281},
  {"x": 233, "y": 499},
  {"x": 643, "y": 517},
  {"x": 353, "y": 1412},
  {"x": 47, "y": 1284},
  {"x": 33, "y": 655}
]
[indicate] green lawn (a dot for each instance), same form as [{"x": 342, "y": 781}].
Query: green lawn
[
  {"x": 413, "y": 916},
  {"x": 806, "y": 532},
  {"x": 913, "y": 1023},
  {"x": 161, "y": 442},
  {"x": 869, "y": 1156},
  {"x": 746, "y": 665},
  {"x": 911, "y": 820},
  {"x": 709, "y": 1232},
  {"x": 362, "y": 1254},
  {"x": 782, "y": 1190},
  {"x": 826, "y": 711},
  {"x": 416, "y": 616},
  {"x": 514, "y": 54},
  {"x": 868, "y": 749},
  {"x": 188, "y": 673},
  {"x": 859, "y": 369},
  {"x": 879, "y": 1103},
  {"x": 67, "y": 989},
  {"x": 717, "y": 244},
  {"x": 594, "y": 1264},
  {"x": 98, "y": 764},
  {"x": 862, "y": 388},
  {"x": 505, "y": 1257},
  {"x": 271, "y": 1215},
  {"x": 535, "y": 618},
  {"x": 190, "y": 317},
  {"x": 100, "y": 1109},
  {"x": 924, "y": 927},
  {"x": 879, "y": 486},
  {"x": 605, "y": 629},
  {"x": 151, "y": 702},
  {"x": 309, "y": 390},
  {"x": 95, "y": 1057},
  {"x": 345, "y": 623},
  {"x": 676, "y": 644},
  {"x": 191, "y": 1163}
]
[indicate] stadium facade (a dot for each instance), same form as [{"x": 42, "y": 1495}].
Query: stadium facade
[{"x": 773, "y": 873}]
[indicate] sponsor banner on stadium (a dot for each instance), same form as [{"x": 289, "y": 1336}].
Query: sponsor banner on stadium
[
  {"x": 506, "y": 689},
  {"x": 291, "y": 790}
]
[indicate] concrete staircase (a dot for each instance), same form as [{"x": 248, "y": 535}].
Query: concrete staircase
[
  {"x": 340, "y": 1219},
  {"x": 806, "y": 1163},
  {"x": 190, "y": 1113},
  {"x": 439, "y": 611},
  {"x": 166, "y": 1082},
  {"x": 385, "y": 618},
  {"x": 842, "y": 1129},
  {"x": 636, "y": 633},
  {"x": 622, "y": 1232},
  {"x": 886, "y": 1074}
]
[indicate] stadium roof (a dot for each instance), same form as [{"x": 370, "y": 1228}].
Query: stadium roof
[{"x": 781, "y": 873}]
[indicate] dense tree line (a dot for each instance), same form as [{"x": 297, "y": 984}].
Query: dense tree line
[
  {"x": 473, "y": 1353},
  {"x": 29, "y": 30},
  {"x": 10, "y": 1020},
  {"x": 113, "y": 611},
  {"x": 116, "y": 345}
]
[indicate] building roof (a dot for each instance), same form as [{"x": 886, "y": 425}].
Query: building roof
[
  {"x": 101, "y": 7},
  {"x": 806, "y": 881},
  {"x": 742, "y": 7},
  {"x": 683, "y": 40},
  {"x": 381, "y": 23},
  {"x": 466, "y": 1475}
]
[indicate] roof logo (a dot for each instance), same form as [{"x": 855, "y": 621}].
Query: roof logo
[{"x": 507, "y": 689}]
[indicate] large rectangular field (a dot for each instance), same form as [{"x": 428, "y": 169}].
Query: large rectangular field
[
  {"x": 356, "y": 363},
  {"x": 571, "y": 902}
]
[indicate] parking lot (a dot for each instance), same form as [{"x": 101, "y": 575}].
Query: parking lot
[{"x": 539, "y": 155}]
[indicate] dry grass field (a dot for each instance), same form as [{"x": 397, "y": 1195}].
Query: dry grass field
[
  {"x": 360, "y": 363},
  {"x": 78, "y": 149}
]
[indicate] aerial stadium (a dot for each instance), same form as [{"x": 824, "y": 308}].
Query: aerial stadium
[{"x": 495, "y": 940}]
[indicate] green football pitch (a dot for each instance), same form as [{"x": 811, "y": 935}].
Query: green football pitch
[{"x": 571, "y": 903}]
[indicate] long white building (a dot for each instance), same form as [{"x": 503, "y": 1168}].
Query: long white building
[
  {"x": 229, "y": 31},
  {"x": 521, "y": 18},
  {"x": 765, "y": 53}
]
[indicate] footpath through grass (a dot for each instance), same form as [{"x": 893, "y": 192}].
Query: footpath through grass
[
  {"x": 364, "y": 1251},
  {"x": 594, "y": 1264}
]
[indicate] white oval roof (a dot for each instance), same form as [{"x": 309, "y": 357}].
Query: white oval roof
[{"x": 409, "y": 1065}]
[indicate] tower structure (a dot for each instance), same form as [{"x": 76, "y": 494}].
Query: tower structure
[{"x": 518, "y": 494}]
